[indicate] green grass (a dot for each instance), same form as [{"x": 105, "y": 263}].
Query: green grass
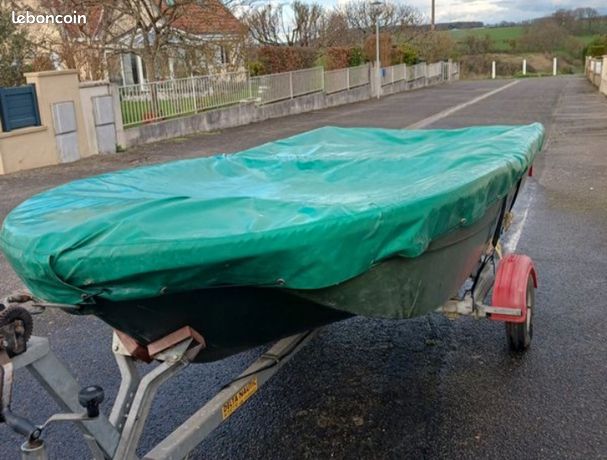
[
  {"x": 585, "y": 39},
  {"x": 135, "y": 113},
  {"x": 500, "y": 35}
]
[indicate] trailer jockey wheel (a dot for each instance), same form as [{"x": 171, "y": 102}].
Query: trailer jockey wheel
[
  {"x": 16, "y": 327},
  {"x": 514, "y": 287},
  {"x": 519, "y": 335}
]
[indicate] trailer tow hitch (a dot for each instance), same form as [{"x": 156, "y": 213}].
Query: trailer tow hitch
[
  {"x": 33, "y": 448},
  {"x": 15, "y": 330}
]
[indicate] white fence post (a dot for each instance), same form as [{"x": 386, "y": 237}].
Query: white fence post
[
  {"x": 554, "y": 66},
  {"x": 118, "y": 123},
  {"x": 194, "y": 94},
  {"x": 378, "y": 75},
  {"x": 493, "y": 70},
  {"x": 322, "y": 78},
  {"x": 347, "y": 77},
  {"x": 524, "y": 66}
]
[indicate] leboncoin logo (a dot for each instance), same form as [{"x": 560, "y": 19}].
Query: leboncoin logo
[{"x": 29, "y": 18}]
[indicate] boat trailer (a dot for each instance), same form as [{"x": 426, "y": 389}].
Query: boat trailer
[{"x": 117, "y": 436}]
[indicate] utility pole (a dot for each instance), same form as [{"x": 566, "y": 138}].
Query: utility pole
[{"x": 432, "y": 23}]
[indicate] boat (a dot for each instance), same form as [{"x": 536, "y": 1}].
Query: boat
[
  {"x": 195, "y": 260},
  {"x": 251, "y": 247}
]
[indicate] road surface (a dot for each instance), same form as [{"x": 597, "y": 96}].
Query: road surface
[{"x": 423, "y": 388}]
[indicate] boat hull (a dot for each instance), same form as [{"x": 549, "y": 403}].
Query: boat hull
[{"x": 233, "y": 319}]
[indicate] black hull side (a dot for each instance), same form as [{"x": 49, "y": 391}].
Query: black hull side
[{"x": 231, "y": 319}]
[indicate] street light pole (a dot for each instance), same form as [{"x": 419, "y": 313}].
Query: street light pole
[{"x": 377, "y": 62}]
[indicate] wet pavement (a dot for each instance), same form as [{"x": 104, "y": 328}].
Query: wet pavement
[{"x": 422, "y": 388}]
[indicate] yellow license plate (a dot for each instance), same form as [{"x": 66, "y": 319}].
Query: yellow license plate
[{"x": 239, "y": 398}]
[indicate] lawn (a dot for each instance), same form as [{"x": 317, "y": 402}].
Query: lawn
[
  {"x": 141, "y": 109},
  {"x": 502, "y": 35},
  {"x": 499, "y": 35}
]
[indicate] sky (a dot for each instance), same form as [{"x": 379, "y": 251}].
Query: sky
[{"x": 492, "y": 11}]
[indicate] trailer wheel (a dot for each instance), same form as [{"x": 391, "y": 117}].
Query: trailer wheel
[
  {"x": 519, "y": 335},
  {"x": 514, "y": 287}
]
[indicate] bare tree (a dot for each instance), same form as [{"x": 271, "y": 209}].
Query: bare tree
[
  {"x": 82, "y": 46},
  {"x": 15, "y": 50},
  {"x": 272, "y": 25},
  {"x": 308, "y": 19},
  {"x": 565, "y": 18},
  {"x": 397, "y": 18},
  {"x": 266, "y": 25},
  {"x": 591, "y": 16},
  {"x": 546, "y": 36},
  {"x": 143, "y": 27},
  {"x": 336, "y": 31},
  {"x": 149, "y": 29}
]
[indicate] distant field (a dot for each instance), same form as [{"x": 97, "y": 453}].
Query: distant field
[{"x": 501, "y": 35}]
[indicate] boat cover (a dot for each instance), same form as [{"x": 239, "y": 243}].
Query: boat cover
[{"x": 305, "y": 212}]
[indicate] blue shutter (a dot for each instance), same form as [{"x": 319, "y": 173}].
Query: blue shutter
[{"x": 19, "y": 107}]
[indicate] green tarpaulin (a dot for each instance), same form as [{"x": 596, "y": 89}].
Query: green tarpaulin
[{"x": 305, "y": 212}]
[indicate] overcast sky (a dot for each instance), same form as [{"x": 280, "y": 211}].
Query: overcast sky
[{"x": 493, "y": 11}]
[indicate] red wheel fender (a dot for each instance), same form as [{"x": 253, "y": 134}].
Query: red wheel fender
[{"x": 510, "y": 288}]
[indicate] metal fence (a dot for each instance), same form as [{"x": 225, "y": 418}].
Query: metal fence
[
  {"x": 155, "y": 101},
  {"x": 416, "y": 71},
  {"x": 287, "y": 85},
  {"x": 150, "y": 102},
  {"x": 435, "y": 69},
  {"x": 345, "y": 79},
  {"x": 393, "y": 74}
]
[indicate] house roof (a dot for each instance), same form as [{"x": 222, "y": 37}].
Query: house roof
[{"x": 207, "y": 17}]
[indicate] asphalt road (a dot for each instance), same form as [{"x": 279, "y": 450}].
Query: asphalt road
[{"x": 423, "y": 388}]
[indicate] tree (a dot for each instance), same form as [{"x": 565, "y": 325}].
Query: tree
[
  {"x": 271, "y": 25},
  {"x": 399, "y": 19},
  {"x": 435, "y": 46},
  {"x": 473, "y": 44},
  {"x": 15, "y": 50},
  {"x": 309, "y": 24},
  {"x": 565, "y": 18},
  {"x": 77, "y": 46},
  {"x": 148, "y": 29},
  {"x": 546, "y": 36},
  {"x": 266, "y": 25},
  {"x": 590, "y": 15}
]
